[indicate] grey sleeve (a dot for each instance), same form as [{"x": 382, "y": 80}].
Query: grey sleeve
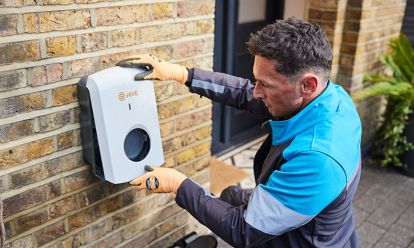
[
  {"x": 225, "y": 220},
  {"x": 230, "y": 90}
]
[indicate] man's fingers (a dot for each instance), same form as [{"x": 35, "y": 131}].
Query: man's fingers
[
  {"x": 128, "y": 61},
  {"x": 145, "y": 75},
  {"x": 139, "y": 182},
  {"x": 151, "y": 76}
]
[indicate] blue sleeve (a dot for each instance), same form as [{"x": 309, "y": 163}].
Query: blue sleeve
[{"x": 295, "y": 194}]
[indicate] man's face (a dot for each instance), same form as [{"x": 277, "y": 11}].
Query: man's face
[{"x": 282, "y": 98}]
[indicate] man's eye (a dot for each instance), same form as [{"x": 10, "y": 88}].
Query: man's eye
[{"x": 262, "y": 84}]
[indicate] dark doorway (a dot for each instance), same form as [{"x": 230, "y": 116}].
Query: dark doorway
[
  {"x": 234, "y": 21},
  {"x": 408, "y": 21}
]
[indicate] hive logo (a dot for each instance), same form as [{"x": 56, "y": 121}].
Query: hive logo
[{"x": 122, "y": 96}]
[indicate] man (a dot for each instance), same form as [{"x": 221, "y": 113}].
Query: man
[{"x": 306, "y": 171}]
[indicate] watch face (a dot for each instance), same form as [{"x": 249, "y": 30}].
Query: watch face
[
  {"x": 137, "y": 144},
  {"x": 152, "y": 183}
]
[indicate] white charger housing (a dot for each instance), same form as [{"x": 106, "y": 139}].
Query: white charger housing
[{"x": 119, "y": 123}]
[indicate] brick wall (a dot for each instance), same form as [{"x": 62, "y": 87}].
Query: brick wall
[
  {"x": 50, "y": 197},
  {"x": 359, "y": 32}
]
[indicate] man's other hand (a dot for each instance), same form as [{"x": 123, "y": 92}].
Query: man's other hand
[
  {"x": 162, "y": 70},
  {"x": 159, "y": 180}
]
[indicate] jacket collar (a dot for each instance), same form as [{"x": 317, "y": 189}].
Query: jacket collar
[{"x": 320, "y": 109}]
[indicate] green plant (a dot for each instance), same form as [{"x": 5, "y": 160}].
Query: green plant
[{"x": 398, "y": 89}]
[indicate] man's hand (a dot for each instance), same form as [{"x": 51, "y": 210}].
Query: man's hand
[
  {"x": 159, "y": 180},
  {"x": 161, "y": 70}
]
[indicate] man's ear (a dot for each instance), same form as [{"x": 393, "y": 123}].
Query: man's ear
[{"x": 309, "y": 85}]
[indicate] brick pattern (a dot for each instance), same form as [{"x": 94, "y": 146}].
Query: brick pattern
[
  {"x": 359, "y": 32},
  {"x": 50, "y": 197}
]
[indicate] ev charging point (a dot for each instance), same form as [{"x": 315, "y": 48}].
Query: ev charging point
[{"x": 119, "y": 124}]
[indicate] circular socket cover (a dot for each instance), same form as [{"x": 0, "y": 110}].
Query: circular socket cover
[{"x": 137, "y": 144}]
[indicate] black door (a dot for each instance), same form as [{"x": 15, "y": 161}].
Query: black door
[
  {"x": 408, "y": 21},
  {"x": 234, "y": 21}
]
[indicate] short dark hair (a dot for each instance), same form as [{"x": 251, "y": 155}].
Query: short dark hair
[{"x": 295, "y": 46}]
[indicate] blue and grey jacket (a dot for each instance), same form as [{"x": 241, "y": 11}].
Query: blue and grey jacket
[{"x": 306, "y": 172}]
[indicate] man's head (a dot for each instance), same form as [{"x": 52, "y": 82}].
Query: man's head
[{"x": 292, "y": 65}]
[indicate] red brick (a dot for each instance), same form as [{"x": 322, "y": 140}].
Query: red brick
[
  {"x": 172, "y": 236},
  {"x": 26, "y": 241},
  {"x": 42, "y": 171},
  {"x": 83, "y": 67},
  {"x": 176, "y": 143},
  {"x": 325, "y": 3},
  {"x": 61, "y": 46},
  {"x": 77, "y": 139},
  {"x": 202, "y": 133},
  {"x": 50, "y": 233},
  {"x": 106, "y": 61},
  {"x": 91, "y": 1},
  {"x": 54, "y": 121},
  {"x": 19, "y": 52},
  {"x": 93, "y": 194},
  {"x": 64, "y": 20},
  {"x": 100, "y": 229},
  {"x": 162, "y": 10},
  {"x": 45, "y": 74},
  {"x": 64, "y": 95},
  {"x": 192, "y": 153},
  {"x": 123, "y": 37},
  {"x": 64, "y": 140},
  {"x": 107, "y": 206},
  {"x": 81, "y": 218},
  {"x": 4, "y": 183},
  {"x": 78, "y": 180},
  {"x": 151, "y": 233},
  {"x": 31, "y": 23},
  {"x": 121, "y": 15},
  {"x": 17, "y": 3},
  {"x": 195, "y": 8},
  {"x": 134, "y": 213},
  {"x": 143, "y": 238},
  {"x": 23, "y": 153},
  {"x": 162, "y": 52},
  {"x": 10, "y": 80},
  {"x": 324, "y": 14},
  {"x": 20, "y": 104},
  {"x": 193, "y": 48},
  {"x": 62, "y": 207},
  {"x": 146, "y": 222},
  {"x": 193, "y": 119},
  {"x": 16, "y": 130},
  {"x": 173, "y": 108},
  {"x": 75, "y": 240},
  {"x": 172, "y": 223},
  {"x": 94, "y": 41},
  {"x": 57, "y": 2},
  {"x": 109, "y": 242},
  {"x": 199, "y": 27},
  {"x": 31, "y": 198},
  {"x": 27, "y": 222},
  {"x": 161, "y": 32},
  {"x": 76, "y": 115},
  {"x": 8, "y": 25}
]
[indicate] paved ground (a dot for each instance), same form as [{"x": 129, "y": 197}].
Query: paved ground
[{"x": 384, "y": 204}]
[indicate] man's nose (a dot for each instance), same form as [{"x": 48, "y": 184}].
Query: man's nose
[{"x": 257, "y": 92}]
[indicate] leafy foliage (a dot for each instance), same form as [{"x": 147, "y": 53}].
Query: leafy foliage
[{"x": 399, "y": 90}]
